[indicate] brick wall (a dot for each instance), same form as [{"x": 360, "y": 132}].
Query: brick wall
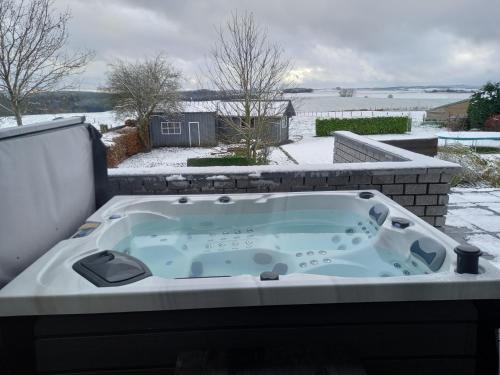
[
  {"x": 424, "y": 194},
  {"x": 419, "y": 183},
  {"x": 348, "y": 150}
]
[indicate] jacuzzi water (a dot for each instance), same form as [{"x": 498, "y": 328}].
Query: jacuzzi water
[
  {"x": 320, "y": 241},
  {"x": 143, "y": 253}
]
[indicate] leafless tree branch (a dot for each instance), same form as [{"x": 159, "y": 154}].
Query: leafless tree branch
[
  {"x": 142, "y": 87},
  {"x": 32, "y": 37},
  {"x": 245, "y": 64}
]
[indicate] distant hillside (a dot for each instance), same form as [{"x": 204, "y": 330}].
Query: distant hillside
[
  {"x": 298, "y": 90},
  {"x": 448, "y": 90},
  {"x": 422, "y": 87},
  {"x": 204, "y": 94},
  {"x": 65, "y": 102},
  {"x": 89, "y": 101}
]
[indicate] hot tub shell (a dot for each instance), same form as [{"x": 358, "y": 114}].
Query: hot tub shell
[
  {"x": 68, "y": 314},
  {"x": 52, "y": 278}
]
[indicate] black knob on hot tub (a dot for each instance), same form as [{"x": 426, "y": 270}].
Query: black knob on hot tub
[
  {"x": 366, "y": 195},
  {"x": 267, "y": 276},
  {"x": 401, "y": 223},
  {"x": 467, "y": 259},
  {"x": 224, "y": 199}
]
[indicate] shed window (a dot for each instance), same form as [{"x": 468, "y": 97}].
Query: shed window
[
  {"x": 283, "y": 122},
  {"x": 170, "y": 128}
]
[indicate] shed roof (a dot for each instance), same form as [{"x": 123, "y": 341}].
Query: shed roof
[
  {"x": 235, "y": 107},
  {"x": 201, "y": 106}
]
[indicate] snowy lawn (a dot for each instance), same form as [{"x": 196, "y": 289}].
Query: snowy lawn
[
  {"x": 309, "y": 149},
  {"x": 177, "y": 157},
  {"x": 169, "y": 157},
  {"x": 318, "y": 150}
]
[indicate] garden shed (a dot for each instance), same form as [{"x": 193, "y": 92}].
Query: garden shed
[
  {"x": 185, "y": 129},
  {"x": 202, "y": 124}
]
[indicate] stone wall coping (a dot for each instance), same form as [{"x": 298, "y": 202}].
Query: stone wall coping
[
  {"x": 400, "y": 137},
  {"x": 393, "y": 167},
  {"x": 415, "y": 164}
]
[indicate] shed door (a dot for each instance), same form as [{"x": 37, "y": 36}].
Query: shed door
[{"x": 194, "y": 134}]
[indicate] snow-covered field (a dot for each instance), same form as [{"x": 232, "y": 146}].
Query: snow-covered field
[
  {"x": 305, "y": 147},
  {"x": 369, "y": 99},
  {"x": 94, "y": 118},
  {"x": 319, "y": 100}
]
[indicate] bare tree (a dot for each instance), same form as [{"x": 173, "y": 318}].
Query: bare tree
[
  {"x": 31, "y": 56},
  {"x": 247, "y": 66},
  {"x": 141, "y": 87},
  {"x": 346, "y": 92}
]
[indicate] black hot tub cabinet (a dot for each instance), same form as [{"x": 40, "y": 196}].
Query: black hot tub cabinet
[{"x": 147, "y": 278}]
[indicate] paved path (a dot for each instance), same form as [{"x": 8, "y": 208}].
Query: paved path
[{"x": 474, "y": 217}]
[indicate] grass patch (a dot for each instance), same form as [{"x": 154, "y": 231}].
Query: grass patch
[
  {"x": 476, "y": 171},
  {"x": 433, "y": 123},
  {"x": 487, "y": 150},
  {"x": 363, "y": 126},
  {"x": 223, "y": 161}
]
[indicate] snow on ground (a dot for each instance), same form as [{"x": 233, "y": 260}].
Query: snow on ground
[
  {"x": 305, "y": 147},
  {"x": 177, "y": 156},
  {"x": 278, "y": 157},
  {"x": 94, "y": 118},
  {"x": 474, "y": 217},
  {"x": 328, "y": 99},
  {"x": 108, "y": 138},
  {"x": 302, "y": 134},
  {"x": 168, "y": 157},
  {"x": 311, "y": 150}
]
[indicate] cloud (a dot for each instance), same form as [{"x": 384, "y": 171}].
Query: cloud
[{"x": 357, "y": 43}]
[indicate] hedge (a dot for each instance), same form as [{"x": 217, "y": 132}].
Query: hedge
[
  {"x": 227, "y": 160},
  {"x": 363, "y": 126},
  {"x": 126, "y": 144}
]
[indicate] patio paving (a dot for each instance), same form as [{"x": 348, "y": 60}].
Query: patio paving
[{"x": 474, "y": 217}]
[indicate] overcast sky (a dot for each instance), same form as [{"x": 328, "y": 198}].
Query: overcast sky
[{"x": 359, "y": 43}]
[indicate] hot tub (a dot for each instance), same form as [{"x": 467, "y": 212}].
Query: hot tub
[
  {"x": 211, "y": 270},
  {"x": 201, "y": 251}
]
